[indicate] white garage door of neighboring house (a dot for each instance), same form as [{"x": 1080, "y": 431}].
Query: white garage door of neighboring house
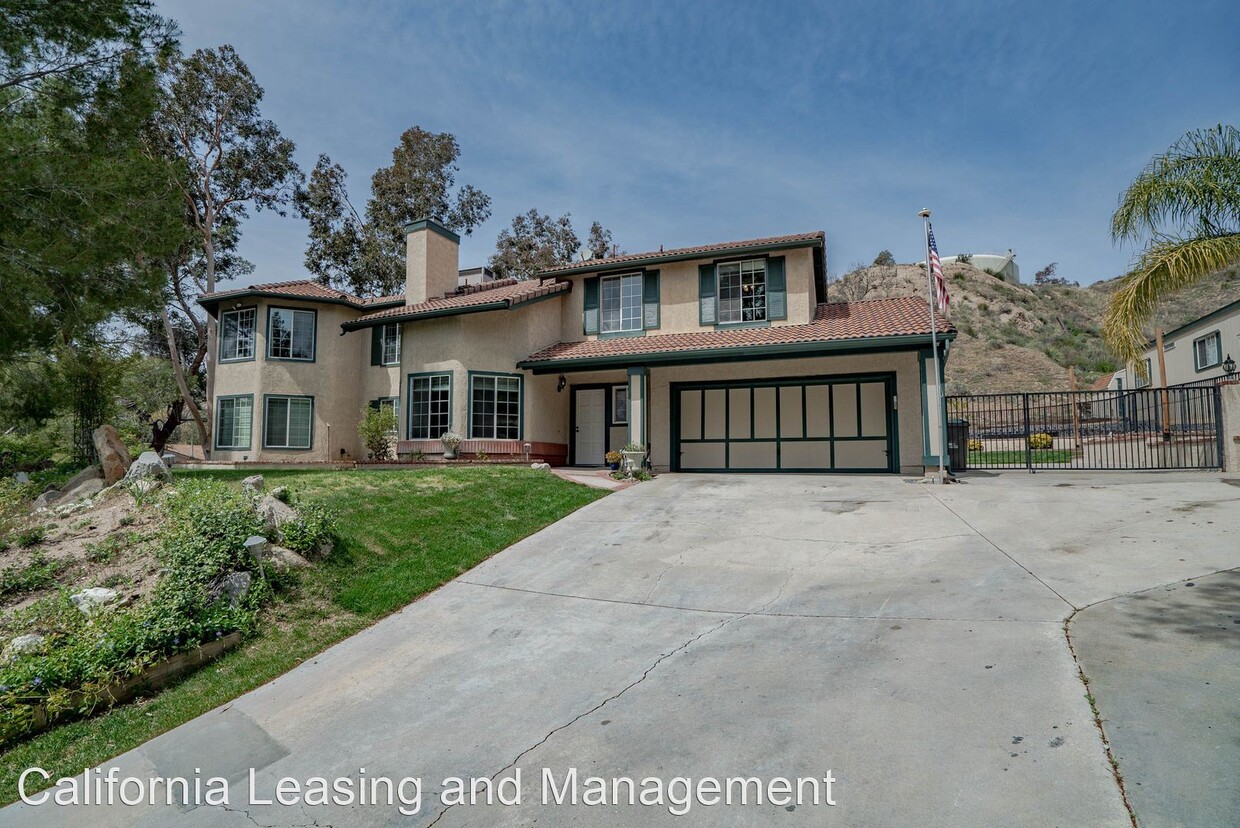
[{"x": 824, "y": 424}]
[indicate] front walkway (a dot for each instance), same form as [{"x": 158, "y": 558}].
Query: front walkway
[{"x": 907, "y": 638}]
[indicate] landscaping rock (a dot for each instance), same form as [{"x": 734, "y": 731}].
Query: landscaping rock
[
  {"x": 88, "y": 473},
  {"x": 46, "y": 500},
  {"x": 29, "y": 643},
  {"x": 113, "y": 456},
  {"x": 148, "y": 467},
  {"x": 280, "y": 493},
  {"x": 21, "y": 477},
  {"x": 283, "y": 559},
  {"x": 274, "y": 513},
  {"x": 83, "y": 490},
  {"x": 92, "y": 601},
  {"x": 233, "y": 587},
  {"x": 253, "y": 483}
]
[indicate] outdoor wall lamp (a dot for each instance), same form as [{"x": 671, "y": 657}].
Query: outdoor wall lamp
[
  {"x": 1229, "y": 365},
  {"x": 559, "y": 386}
]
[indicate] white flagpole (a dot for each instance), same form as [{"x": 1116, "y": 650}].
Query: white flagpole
[{"x": 934, "y": 345}]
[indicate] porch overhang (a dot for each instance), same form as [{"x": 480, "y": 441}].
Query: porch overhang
[{"x": 745, "y": 353}]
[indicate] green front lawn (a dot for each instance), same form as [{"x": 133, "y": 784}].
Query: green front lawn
[
  {"x": 978, "y": 459},
  {"x": 403, "y": 533}
]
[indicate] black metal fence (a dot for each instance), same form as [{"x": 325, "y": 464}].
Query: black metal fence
[{"x": 1149, "y": 428}]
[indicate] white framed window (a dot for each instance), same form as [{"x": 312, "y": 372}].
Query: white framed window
[
  {"x": 430, "y": 406},
  {"x": 1138, "y": 381},
  {"x": 495, "y": 407},
  {"x": 391, "y": 344},
  {"x": 237, "y": 334},
  {"x": 290, "y": 334},
  {"x": 234, "y": 417},
  {"x": 288, "y": 422},
  {"x": 619, "y": 404},
  {"x": 620, "y": 300},
  {"x": 1207, "y": 351},
  {"x": 742, "y": 291}
]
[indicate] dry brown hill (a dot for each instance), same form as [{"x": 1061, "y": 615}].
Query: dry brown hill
[{"x": 1016, "y": 337}]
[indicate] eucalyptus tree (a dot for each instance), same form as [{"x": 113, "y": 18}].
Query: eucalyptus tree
[{"x": 1185, "y": 208}]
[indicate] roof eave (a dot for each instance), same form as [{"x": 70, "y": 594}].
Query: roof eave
[
  {"x": 359, "y": 324},
  {"x": 634, "y": 264},
  {"x": 211, "y": 303},
  {"x": 873, "y": 344}
]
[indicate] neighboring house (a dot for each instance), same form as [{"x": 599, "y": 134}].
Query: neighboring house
[
  {"x": 1197, "y": 351},
  {"x": 717, "y": 358}
]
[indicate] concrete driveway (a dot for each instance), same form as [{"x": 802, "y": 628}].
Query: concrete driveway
[{"x": 909, "y": 639}]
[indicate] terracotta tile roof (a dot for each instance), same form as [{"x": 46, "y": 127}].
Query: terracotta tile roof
[
  {"x": 1103, "y": 382},
  {"x": 306, "y": 289},
  {"x": 688, "y": 252},
  {"x": 841, "y": 321},
  {"x": 502, "y": 292}
]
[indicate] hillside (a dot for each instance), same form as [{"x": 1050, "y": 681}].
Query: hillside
[{"x": 1020, "y": 337}]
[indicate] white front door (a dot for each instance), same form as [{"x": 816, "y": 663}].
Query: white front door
[{"x": 589, "y": 441}]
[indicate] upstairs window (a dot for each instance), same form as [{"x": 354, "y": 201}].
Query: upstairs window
[
  {"x": 290, "y": 334},
  {"x": 385, "y": 344},
  {"x": 1207, "y": 351},
  {"x": 237, "y": 334},
  {"x": 621, "y": 303},
  {"x": 742, "y": 291}
]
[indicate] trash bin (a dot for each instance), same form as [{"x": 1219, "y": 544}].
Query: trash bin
[{"x": 958, "y": 444}]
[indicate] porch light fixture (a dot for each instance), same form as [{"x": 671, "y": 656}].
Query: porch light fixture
[
  {"x": 1229, "y": 365},
  {"x": 559, "y": 386}
]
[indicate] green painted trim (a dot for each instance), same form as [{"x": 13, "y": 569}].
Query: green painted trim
[
  {"x": 644, "y": 374},
  {"x": 314, "y": 342},
  {"x": 216, "y": 437},
  {"x": 1218, "y": 336},
  {"x": 736, "y": 326},
  {"x": 219, "y": 352},
  {"x": 267, "y": 397},
  {"x": 877, "y": 344},
  {"x": 931, "y": 460},
  {"x": 212, "y": 303},
  {"x": 682, "y": 257},
  {"x": 431, "y": 224},
  {"x": 409, "y": 378},
  {"x": 658, "y": 298},
  {"x": 469, "y": 403},
  {"x": 922, "y": 356},
  {"x": 358, "y": 325}
]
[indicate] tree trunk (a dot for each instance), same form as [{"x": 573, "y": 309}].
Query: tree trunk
[
  {"x": 183, "y": 386},
  {"x": 209, "y": 407},
  {"x": 161, "y": 432}
]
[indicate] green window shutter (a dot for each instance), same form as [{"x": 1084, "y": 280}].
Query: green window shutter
[
  {"x": 776, "y": 289},
  {"x": 650, "y": 299},
  {"x": 707, "y": 308},
  {"x": 589, "y": 320},
  {"x": 374, "y": 405},
  {"x": 376, "y": 345}
]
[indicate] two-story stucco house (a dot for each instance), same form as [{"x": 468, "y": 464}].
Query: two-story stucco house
[{"x": 722, "y": 357}]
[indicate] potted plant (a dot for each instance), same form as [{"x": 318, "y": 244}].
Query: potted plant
[
  {"x": 613, "y": 459},
  {"x": 450, "y": 440},
  {"x": 634, "y": 457}
]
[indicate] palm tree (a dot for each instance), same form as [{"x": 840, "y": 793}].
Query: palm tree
[{"x": 1186, "y": 205}]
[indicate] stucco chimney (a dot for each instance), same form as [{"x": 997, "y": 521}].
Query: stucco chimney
[{"x": 432, "y": 260}]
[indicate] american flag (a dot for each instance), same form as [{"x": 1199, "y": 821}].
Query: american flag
[{"x": 941, "y": 299}]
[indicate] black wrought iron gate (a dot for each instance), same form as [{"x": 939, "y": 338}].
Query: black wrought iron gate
[{"x": 1149, "y": 428}]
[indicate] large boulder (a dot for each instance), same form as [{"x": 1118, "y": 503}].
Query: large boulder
[
  {"x": 275, "y": 513},
  {"x": 47, "y": 500},
  {"x": 283, "y": 559},
  {"x": 83, "y": 490},
  {"x": 148, "y": 467},
  {"x": 29, "y": 643},
  {"x": 113, "y": 456},
  {"x": 88, "y": 473},
  {"x": 92, "y": 601},
  {"x": 253, "y": 484}
]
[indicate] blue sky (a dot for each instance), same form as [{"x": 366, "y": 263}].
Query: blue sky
[{"x": 681, "y": 123}]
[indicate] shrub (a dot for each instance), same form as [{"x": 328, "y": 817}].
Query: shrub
[
  {"x": 31, "y": 536},
  {"x": 26, "y": 452},
  {"x": 975, "y": 445},
  {"x": 207, "y": 525},
  {"x": 314, "y": 528},
  {"x": 376, "y": 429},
  {"x": 1041, "y": 441},
  {"x": 39, "y": 573},
  {"x": 965, "y": 258}
]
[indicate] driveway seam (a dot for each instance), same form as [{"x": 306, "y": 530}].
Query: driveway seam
[
  {"x": 1152, "y": 588},
  {"x": 1000, "y": 549},
  {"x": 761, "y": 613}
]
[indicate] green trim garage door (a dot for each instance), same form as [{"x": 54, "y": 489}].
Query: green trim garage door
[{"x": 818, "y": 424}]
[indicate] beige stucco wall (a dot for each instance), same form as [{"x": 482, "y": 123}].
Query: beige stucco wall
[
  {"x": 678, "y": 296},
  {"x": 331, "y": 380},
  {"x": 432, "y": 263},
  {"x": 904, "y": 365}
]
